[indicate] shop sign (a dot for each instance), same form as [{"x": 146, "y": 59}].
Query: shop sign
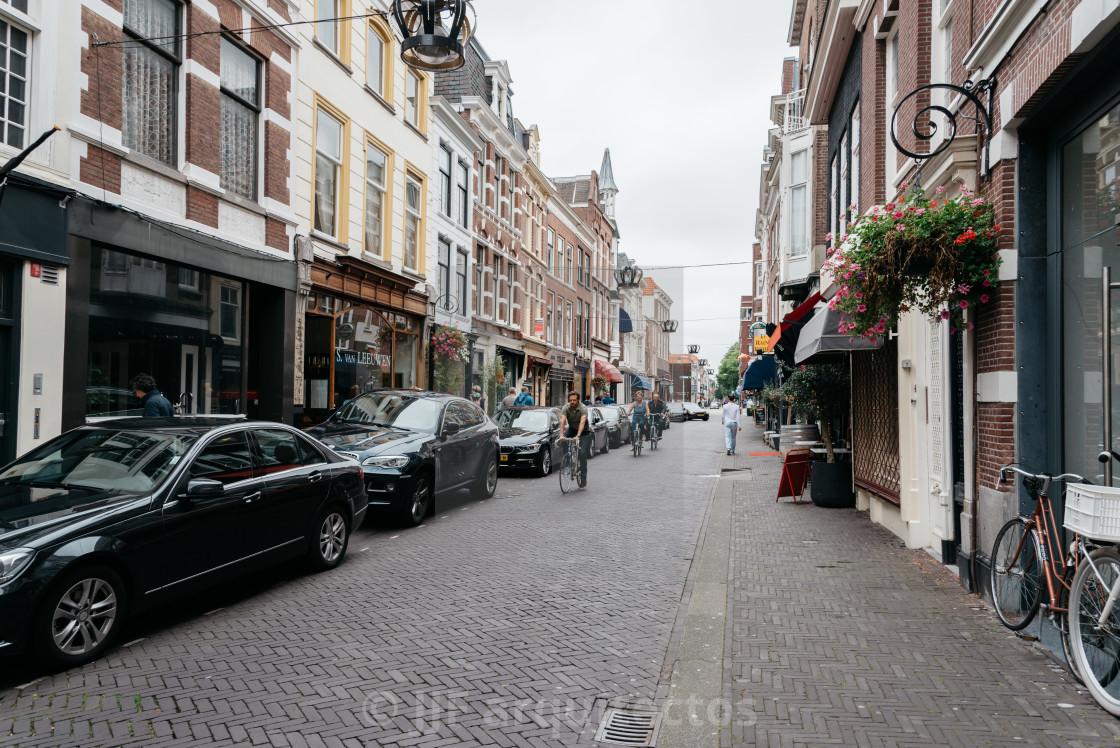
[
  {"x": 538, "y": 328},
  {"x": 761, "y": 343},
  {"x": 368, "y": 358},
  {"x": 36, "y": 270},
  {"x": 344, "y": 331}
]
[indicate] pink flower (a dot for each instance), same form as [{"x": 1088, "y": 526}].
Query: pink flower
[
  {"x": 900, "y": 227},
  {"x": 859, "y": 296},
  {"x": 847, "y": 275},
  {"x": 921, "y": 211},
  {"x": 945, "y": 314},
  {"x": 977, "y": 202},
  {"x": 964, "y": 304},
  {"x": 898, "y": 214},
  {"x": 984, "y": 299},
  {"x": 828, "y": 236},
  {"x": 940, "y": 190},
  {"x": 890, "y": 206},
  {"x": 969, "y": 326},
  {"x": 904, "y": 185},
  {"x": 963, "y": 289},
  {"x": 987, "y": 283},
  {"x": 986, "y": 272},
  {"x": 861, "y": 308},
  {"x": 962, "y": 188}
]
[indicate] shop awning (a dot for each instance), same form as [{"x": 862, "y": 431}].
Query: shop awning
[
  {"x": 761, "y": 372},
  {"x": 640, "y": 383},
  {"x": 535, "y": 361},
  {"x": 784, "y": 340},
  {"x": 624, "y": 323},
  {"x": 609, "y": 371},
  {"x": 821, "y": 338}
]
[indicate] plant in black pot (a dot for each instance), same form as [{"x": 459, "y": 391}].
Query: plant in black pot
[{"x": 821, "y": 393}]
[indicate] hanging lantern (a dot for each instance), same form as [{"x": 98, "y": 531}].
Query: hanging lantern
[
  {"x": 629, "y": 276},
  {"x": 694, "y": 349},
  {"x": 435, "y": 32},
  {"x": 669, "y": 325}
]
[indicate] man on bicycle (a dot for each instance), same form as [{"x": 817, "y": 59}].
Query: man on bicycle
[
  {"x": 657, "y": 415},
  {"x": 573, "y": 425},
  {"x": 639, "y": 417}
]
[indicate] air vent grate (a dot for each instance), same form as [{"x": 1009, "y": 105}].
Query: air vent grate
[
  {"x": 49, "y": 275},
  {"x": 622, "y": 727}
]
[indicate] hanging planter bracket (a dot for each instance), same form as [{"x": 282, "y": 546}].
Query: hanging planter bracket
[{"x": 971, "y": 93}]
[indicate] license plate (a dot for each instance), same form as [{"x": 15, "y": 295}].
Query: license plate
[{"x": 505, "y": 458}]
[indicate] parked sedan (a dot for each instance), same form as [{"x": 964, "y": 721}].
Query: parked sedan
[
  {"x": 111, "y": 518},
  {"x": 618, "y": 425},
  {"x": 529, "y": 438},
  {"x": 676, "y": 411},
  {"x": 415, "y": 446},
  {"x": 695, "y": 412}
]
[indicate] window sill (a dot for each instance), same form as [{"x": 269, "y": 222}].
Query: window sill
[
  {"x": 327, "y": 239},
  {"x": 377, "y": 260},
  {"x": 380, "y": 99},
  {"x": 244, "y": 203},
  {"x": 332, "y": 54},
  {"x": 413, "y": 274},
  {"x": 145, "y": 162},
  {"x": 416, "y": 130}
]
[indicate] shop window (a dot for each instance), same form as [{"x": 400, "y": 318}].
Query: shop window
[
  {"x": 230, "y": 312},
  {"x": 240, "y": 87},
  {"x": 14, "y": 71},
  {"x": 376, "y": 167},
  {"x": 150, "y": 70},
  {"x": 413, "y": 219},
  {"x": 329, "y": 133}
]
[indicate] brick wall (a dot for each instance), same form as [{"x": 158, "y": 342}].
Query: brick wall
[
  {"x": 102, "y": 66},
  {"x": 873, "y": 124}
]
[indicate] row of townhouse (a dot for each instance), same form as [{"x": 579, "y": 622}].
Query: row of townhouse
[
  {"x": 936, "y": 412},
  {"x": 258, "y": 203}
]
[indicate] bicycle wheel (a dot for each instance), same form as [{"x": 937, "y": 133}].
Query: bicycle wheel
[
  {"x": 1015, "y": 575},
  {"x": 567, "y": 468},
  {"x": 1063, "y": 629},
  {"x": 1096, "y": 646}
]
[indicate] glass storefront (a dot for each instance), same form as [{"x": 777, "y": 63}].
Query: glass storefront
[
  {"x": 1090, "y": 241},
  {"x": 352, "y": 348},
  {"x": 183, "y": 326}
]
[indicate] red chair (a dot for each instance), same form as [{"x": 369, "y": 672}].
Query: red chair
[{"x": 795, "y": 470}]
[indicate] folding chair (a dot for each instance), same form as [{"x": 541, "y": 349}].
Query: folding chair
[{"x": 795, "y": 469}]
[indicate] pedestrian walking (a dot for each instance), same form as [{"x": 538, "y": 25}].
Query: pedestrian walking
[
  {"x": 731, "y": 423},
  {"x": 524, "y": 399},
  {"x": 510, "y": 400},
  {"x": 155, "y": 404}
]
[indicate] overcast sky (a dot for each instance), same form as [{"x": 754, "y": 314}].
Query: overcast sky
[{"x": 680, "y": 93}]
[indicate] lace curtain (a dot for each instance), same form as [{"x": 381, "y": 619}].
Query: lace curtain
[{"x": 149, "y": 78}]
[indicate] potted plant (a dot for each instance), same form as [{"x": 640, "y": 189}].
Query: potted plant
[
  {"x": 450, "y": 351},
  {"x": 599, "y": 384},
  {"x": 821, "y": 392},
  {"x": 937, "y": 256}
]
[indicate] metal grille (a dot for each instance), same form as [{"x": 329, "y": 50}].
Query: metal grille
[
  {"x": 49, "y": 275},
  {"x": 875, "y": 421},
  {"x": 629, "y": 728}
]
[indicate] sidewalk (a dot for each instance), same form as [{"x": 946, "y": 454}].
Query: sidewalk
[{"x": 836, "y": 634}]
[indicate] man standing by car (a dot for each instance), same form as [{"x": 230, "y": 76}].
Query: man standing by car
[
  {"x": 510, "y": 400},
  {"x": 524, "y": 400},
  {"x": 573, "y": 425},
  {"x": 731, "y": 425},
  {"x": 155, "y": 404}
]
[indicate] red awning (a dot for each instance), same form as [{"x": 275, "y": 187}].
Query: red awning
[
  {"x": 611, "y": 372},
  {"x": 795, "y": 316}
]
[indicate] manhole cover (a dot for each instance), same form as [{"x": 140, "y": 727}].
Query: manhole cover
[{"x": 624, "y": 727}]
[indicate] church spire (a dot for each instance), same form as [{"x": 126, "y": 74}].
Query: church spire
[{"x": 607, "y": 188}]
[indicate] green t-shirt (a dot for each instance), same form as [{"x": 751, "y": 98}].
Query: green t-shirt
[{"x": 573, "y": 415}]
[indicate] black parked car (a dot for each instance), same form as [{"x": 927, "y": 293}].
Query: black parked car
[
  {"x": 618, "y": 425},
  {"x": 600, "y": 439},
  {"x": 414, "y": 446},
  {"x": 529, "y": 438},
  {"x": 695, "y": 412},
  {"x": 676, "y": 411},
  {"x": 110, "y": 518}
]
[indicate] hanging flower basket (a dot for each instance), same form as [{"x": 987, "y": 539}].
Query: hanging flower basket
[
  {"x": 449, "y": 344},
  {"x": 937, "y": 256},
  {"x": 599, "y": 383}
]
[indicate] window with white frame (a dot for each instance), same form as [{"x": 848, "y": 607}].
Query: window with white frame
[
  {"x": 511, "y": 286},
  {"x": 326, "y": 30},
  {"x": 412, "y": 99},
  {"x": 464, "y": 195},
  {"x": 229, "y": 312},
  {"x": 376, "y": 49},
  {"x": 548, "y": 320},
  {"x": 376, "y": 167},
  {"x": 842, "y": 206},
  {"x": 549, "y": 247},
  {"x": 241, "y": 106},
  {"x": 498, "y": 287},
  {"x": 446, "y": 158},
  {"x": 853, "y": 135},
  {"x": 413, "y": 216},
  {"x": 461, "y": 281},
  {"x": 328, "y": 171},
  {"x": 798, "y": 198},
  {"x": 571, "y": 257},
  {"x": 892, "y": 67},
  {"x": 444, "y": 271},
  {"x": 833, "y": 194},
  {"x": 15, "y": 51},
  {"x": 479, "y": 265},
  {"x": 150, "y": 71},
  {"x": 569, "y": 337}
]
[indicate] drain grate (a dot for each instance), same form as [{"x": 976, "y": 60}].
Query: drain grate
[{"x": 623, "y": 727}]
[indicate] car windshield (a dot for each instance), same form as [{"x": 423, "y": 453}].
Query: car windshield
[
  {"x": 530, "y": 420},
  {"x": 391, "y": 409},
  {"x": 101, "y": 459},
  {"x": 675, "y": 406},
  {"x": 610, "y": 415}
]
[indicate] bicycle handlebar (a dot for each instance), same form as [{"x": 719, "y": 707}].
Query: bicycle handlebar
[
  {"x": 1107, "y": 455},
  {"x": 1036, "y": 482}
]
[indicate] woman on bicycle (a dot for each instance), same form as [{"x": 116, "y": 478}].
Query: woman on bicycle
[{"x": 639, "y": 417}]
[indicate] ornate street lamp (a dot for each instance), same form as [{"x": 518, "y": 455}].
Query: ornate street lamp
[
  {"x": 694, "y": 349},
  {"x": 629, "y": 276},
  {"x": 435, "y": 32},
  {"x": 669, "y": 325},
  {"x": 703, "y": 362},
  {"x": 711, "y": 372}
]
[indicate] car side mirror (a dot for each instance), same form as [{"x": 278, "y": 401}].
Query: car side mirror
[
  {"x": 450, "y": 429},
  {"x": 204, "y": 488}
]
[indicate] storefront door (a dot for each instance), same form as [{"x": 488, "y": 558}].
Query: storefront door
[
  {"x": 188, "y": 377},
  {"x": 9, "y": 368}
]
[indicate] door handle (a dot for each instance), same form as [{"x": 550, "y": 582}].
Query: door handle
[
  {"x": 315, "y": 476},
  {"x": 252, "y": 497}
]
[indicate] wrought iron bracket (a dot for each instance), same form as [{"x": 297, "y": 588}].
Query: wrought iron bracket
[
  {"x": 447, "y": 303},
  {"x": 972, "y": 93}
]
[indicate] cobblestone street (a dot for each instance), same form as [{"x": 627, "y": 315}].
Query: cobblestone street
[{"x": 518, "y": 620}]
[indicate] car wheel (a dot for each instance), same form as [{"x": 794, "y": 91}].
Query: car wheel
[
  {"x": 607, "y": 444},
  {"x": 488, "y": 481},
  {"x": 416, "y": 507},
  {"x": 81, "y": 614},
  {"x": 329, "y": 537},
  {"x": 544, "y": 466}
]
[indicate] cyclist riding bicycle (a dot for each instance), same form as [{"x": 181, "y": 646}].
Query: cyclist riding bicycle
[
  {"x": 639, "y": 417},
  {"x": 573, "y": 425},
  {"x": 657, "y": 413}
]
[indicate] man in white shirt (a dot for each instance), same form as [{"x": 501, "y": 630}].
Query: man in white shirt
[{"x": 731, "y": 425}]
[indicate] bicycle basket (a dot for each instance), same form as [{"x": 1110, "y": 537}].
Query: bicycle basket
[{"x": 1093, "y": 511}]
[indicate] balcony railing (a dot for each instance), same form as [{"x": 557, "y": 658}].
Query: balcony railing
[{"x": 795, "y": 119}]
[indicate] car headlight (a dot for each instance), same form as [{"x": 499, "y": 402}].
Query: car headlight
[
  {"x": 529, "y": 448},
  {"x": 13, "y": 562},
  {"x": 392, "y": 461}
]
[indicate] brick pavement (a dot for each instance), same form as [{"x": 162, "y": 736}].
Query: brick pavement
[
  {"x": 509, "y": 622},
  {"x": 839, "y": 635}
]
